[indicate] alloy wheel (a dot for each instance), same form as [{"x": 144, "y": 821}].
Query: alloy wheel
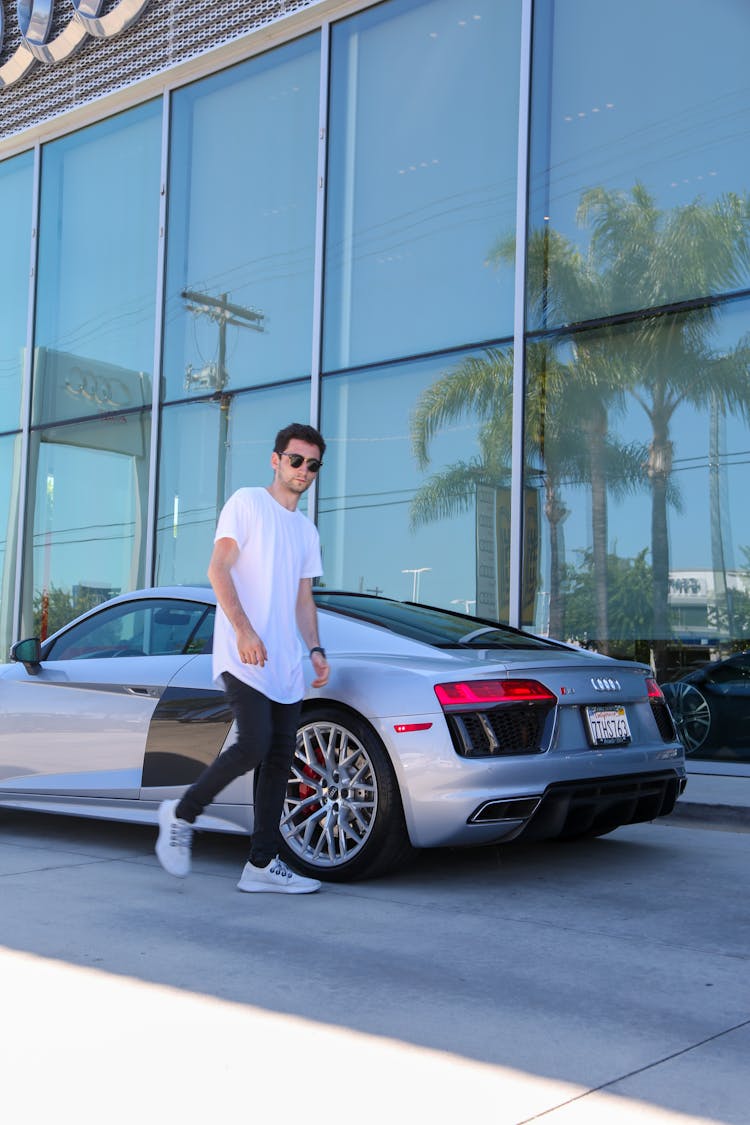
[
  {"x": 331, "y": 800},
  {"x": 691, "y": 714}
]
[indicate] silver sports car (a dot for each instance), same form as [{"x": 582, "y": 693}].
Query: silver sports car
[{"x": 436, "y": 729}]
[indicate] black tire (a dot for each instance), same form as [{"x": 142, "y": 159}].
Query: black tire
[{"x": 343, "y": 819}]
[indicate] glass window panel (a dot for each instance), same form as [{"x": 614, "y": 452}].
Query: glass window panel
[
  {"x": 640, "y": 154},
  {"x": 239, "y": 290},
  {"x": 16, "y": 186},
  {"x": 414, "y": 495},
  {"x": 638, "y": 446},
  {"x": 98, "y": 240},
  {"x": 190, "y": 490},
  {"x": 422, "y": 177},
  {"x": 208, "y": 450},
  {"x": 89, "y": 490},
  {"x": 147, "y": 628},
  {"x": 202, "y": 639},
  {"x": 10, "y": 474}
]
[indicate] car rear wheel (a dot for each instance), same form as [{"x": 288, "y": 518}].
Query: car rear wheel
[
  {"x": 342, "y": 817},
  {"x": 691, "y": 714}
]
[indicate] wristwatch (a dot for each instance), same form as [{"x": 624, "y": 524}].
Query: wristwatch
[{"x": 317, "y": 648}]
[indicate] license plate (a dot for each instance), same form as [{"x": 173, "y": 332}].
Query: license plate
[{"x": 608, "y": 726}]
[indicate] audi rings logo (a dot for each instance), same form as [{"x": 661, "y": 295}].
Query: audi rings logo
[
  {"x": 35, "y": 24},
  {"x": 103, "y": 392},
  {"x": 603, "y": 683}
]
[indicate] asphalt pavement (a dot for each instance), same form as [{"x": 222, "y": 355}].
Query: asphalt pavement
[{"x": 601, "y": 982}]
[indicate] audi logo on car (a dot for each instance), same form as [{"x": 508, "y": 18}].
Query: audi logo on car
[
  {"x": 604, "y": 683},
  {"x": 35, "y": 24}
]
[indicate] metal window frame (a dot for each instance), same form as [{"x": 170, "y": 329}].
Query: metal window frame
[
  {"x": 319, "y": 252},
  {"x": 161, "y": 266},
  {"x": 26, "y": 388},
  {"x": 519, "y": 319}
]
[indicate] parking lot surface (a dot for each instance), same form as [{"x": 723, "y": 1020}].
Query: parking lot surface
[{"x": 562, "y": 983}]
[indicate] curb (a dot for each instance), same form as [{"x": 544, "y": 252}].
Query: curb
[{"x": 735, "y": 817}]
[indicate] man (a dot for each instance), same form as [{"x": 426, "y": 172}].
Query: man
[{"x": 265, "y": 555}]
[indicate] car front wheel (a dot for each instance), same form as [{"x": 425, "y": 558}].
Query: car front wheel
[{"x": 342, "y": 817}]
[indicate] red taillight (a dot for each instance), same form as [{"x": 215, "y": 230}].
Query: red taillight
[
  {"x": 483, "y": 692},
  {"x": 405, "y": 728},
  {"x": 654, "y": 691}
]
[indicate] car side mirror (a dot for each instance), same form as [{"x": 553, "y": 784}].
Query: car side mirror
[{"x": 28, "y": 653}]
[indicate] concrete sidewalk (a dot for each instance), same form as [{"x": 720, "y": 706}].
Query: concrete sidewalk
[
  {"x": 715, "y": 799},
  {"x": 601, "y": 983}
]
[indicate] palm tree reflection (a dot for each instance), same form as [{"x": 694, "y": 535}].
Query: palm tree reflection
[{"x": 592, "y": 359}]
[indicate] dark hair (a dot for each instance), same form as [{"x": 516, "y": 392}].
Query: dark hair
[{"x": 302, "y": 433}]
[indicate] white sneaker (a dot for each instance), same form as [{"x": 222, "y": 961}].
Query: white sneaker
[
  {"x": 276, "y": 876},
  {"x": 175, "y": 841}
]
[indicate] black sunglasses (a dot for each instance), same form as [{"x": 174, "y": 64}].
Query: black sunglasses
[{"x": 296, "y": 459}]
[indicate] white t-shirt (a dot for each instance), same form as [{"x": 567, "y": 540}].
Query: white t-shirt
[{"x": 278, "y": 548}]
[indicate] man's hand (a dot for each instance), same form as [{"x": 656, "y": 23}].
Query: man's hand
[
  {"x": 251, "y": 647},
  {"x": 322, "y": 669}
]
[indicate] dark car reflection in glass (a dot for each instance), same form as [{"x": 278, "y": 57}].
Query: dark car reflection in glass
[{"x": 711, "y": 709}]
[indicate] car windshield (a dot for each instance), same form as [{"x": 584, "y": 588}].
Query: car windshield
[{"x": 439, "y": 627}]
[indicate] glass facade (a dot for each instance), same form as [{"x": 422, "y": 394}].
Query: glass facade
[
  {"x": 395, "y": 482},
  {"x": 243, "y": 167},
  {"x": 16, "y": 183},
  {"x": 558, "y": 437},
  {"x": 422, "y": 176},
  {"x": 634, "y": 154},
  {"x": 10, "y": 475},
  {"x": 85, "y": 538},
  {"x": 89, "y": 449},
  {"x": 95, "y": 298},
  {"x": 16, "y": 189},
  {"x": 636, "y": 438},
  {"x": 210, "y": 448}
]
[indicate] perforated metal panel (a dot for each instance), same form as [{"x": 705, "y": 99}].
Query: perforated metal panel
[{"x": 169, "y": 32}]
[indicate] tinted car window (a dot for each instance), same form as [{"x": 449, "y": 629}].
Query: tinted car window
[
  {"x": 431, "y": 626},
  {"x": 737, "y": 668},
  {"x": 202, "y": 639},
  {"x": 152, "y": 627}
]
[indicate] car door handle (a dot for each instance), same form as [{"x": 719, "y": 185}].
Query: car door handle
[{"x": 142, "y": 690}]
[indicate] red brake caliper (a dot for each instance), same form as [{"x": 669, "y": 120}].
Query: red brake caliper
[{"x": 306, "y": 791}]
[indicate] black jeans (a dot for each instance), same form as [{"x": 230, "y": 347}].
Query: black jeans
[{"x": 266, "y": 736}]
